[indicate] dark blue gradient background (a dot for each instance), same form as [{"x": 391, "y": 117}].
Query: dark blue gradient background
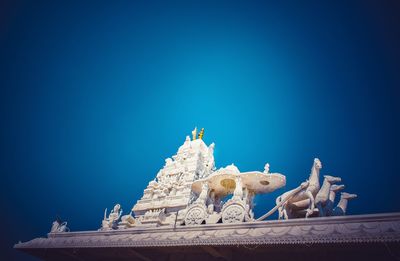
[{"x": 94, "y": 96}]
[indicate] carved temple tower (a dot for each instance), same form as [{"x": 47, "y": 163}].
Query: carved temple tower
[{"x": 170, "y": 191}]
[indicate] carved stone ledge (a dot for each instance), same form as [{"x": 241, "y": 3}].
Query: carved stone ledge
[{"x": 331, "y": 230}]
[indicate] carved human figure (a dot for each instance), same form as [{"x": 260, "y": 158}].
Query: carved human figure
[
  {"x": 168, "y": 161},
  {"x": 341, "y": 208},
  {"x": 166, "y": 191},
  {"x": 238, "y": 192},
  {"x": 156, "y": 193},
  {"x": 179, "y": 186},
  {"x": 245, "y": 195},
  {"x": 173, "y": 189},
  {"x": 218, "y": 204},
  {"x": 287, "y": 198},
  {"x": 203, "y": 194},
  {"x": 249, "y": 214},
  {"x": 210, "y": 208},
  {"x": 266, "y": 168},
  {"x": 148, "y": 192},
  {"x": 112, "y": 221}
]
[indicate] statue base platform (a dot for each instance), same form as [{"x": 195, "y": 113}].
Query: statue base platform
[{"x": 358, "y": 237}]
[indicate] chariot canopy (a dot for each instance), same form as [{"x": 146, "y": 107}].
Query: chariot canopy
[{"x": 223, "y": 183}]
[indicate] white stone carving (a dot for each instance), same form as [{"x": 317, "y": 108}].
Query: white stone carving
[
  {"x": 233, "y": 211},
  {"x": 301, "y": 201},
  {"x": 58, "y": 227},
  {"x": 127, "y": 221},
  {"x": 243, "y": 187},
  {"x": 266, "y": 168},
  {"x": 321, "y": 198},
  {"x": 332, "y": 195},
  {"x": 196, "y": 214},
  {"x": 307, "y": 193},
  {"x": 238, "y": 192},
  {"x": 204, "y": 194},
  {"x": 341, "y": 207},
  {"x": 171, "y": 190},
  {"x": 342, "y": 229},
  {"x": 111, "y": 222},
  {"x": 323, "y": 194},
  {"x": 189, "y": 190}
]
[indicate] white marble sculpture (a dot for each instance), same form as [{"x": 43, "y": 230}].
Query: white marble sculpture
[
  {"x": 341, "y": 208},
  {"x": 194, "y": 132},
  {"x": 58, "y": 226},
  {"x": 111, "y": 222},
  {"x": 321, "y": 199},
  {"x": 323, "y": 194},
  {"x": 331, "y": 200},
  {"x": 204, "y": 194},
  {"x": 302, "y": 203},
  {"x": 238, "y": 192},
  {"x": 171, "y": 190},
  {"x": 188, "y": 190},
  {"x": 127, "y": 221},
  {"x": 225, "y": 181},
  {"x": 279, "y": 204},
  {"x": 266, "y": 168},
  {"x": 307, "y": 193}
]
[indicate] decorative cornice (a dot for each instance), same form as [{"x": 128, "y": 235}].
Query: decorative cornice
[{"x": 324, "y": 230}]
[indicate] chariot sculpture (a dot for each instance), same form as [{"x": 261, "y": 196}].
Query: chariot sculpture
[{"x": 189, "y": 190}]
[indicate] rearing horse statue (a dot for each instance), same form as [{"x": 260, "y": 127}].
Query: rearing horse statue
[{"x": 289, "y": 198}]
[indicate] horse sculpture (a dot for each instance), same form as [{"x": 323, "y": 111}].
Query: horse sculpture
[
  {"x": 59, "y": 226},
  {"x": 331, "y": 200},
  {"x": 321, "y": 198},
  {"x": 323, "y": 195},
  {"x": 287, "y": 199},
  {"x": 340, "y": 209}
]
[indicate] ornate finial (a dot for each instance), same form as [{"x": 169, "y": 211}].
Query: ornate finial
[
  {"x": 201, "y": 133},
  {"x": 266, "y": 168},
  {"x": 194, "y": 132}
]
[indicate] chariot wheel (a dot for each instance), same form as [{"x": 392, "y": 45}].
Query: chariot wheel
[
  {"x": 196, "y": 215},
  {"x": 233, "y": 212}
]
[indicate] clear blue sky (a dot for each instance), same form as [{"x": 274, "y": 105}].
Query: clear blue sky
[{"x": 94, "y": 96}]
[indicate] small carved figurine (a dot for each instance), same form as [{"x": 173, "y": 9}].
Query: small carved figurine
[
  {"x": 266, "y": 168},
  {"x": 112, "y": 221},
  {"x": 59, "y": 226}
]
